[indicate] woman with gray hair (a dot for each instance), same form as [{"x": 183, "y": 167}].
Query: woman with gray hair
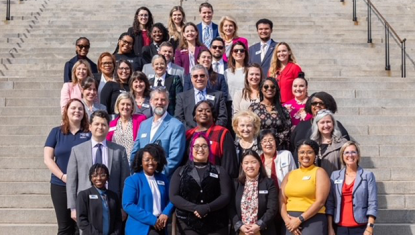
[
  {"x": 124, "y": 128},
  {"x": 328, "y": 135}
]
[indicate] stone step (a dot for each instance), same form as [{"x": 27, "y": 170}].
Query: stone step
[
  {"x": 25, "y": 121},
  {"x": 23, "y": 162},
  {"x": 28, "y": 175},
  {"x": 39, "y": 101},
  {"x": 22, "y": 188},
  {"x": 29, "y": 111},
  {"x": 26, "y": 201},
  {"x": 28, "y": 229},
  {"x": 25, "y": 130},
  {"x": 34, "y": 215},
  {"x": 394, "y": 228}
]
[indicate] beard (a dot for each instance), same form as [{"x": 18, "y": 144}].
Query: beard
[{"x": 159, "y": 111}]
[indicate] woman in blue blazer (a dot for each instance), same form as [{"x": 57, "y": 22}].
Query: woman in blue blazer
[
  {"x": 352, "y": 204},
  {"x": 146, "y": 193}
]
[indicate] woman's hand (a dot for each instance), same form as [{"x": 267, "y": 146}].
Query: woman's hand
[
  {"x": 292, "y": 223},
  {"x": 161, "y": 222},
  {"x": 197, "y": 215},
  {"x": 64, "y": 178},
  {"x": 254, "y": 229},
  {"x": 368, "y": 231},
  {"x": 244, "y": 228},
  {"x": 331, "y": 231}
]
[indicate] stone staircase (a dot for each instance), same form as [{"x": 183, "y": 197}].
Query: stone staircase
[{"x": 374, "y": 104}]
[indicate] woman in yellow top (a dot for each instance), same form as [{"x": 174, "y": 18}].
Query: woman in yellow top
[{"x": 303, "y": 194}]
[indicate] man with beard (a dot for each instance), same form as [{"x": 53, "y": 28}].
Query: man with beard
[
  {"x": 162, "y": 129},
  {"x": 217, "y": 48},
  {"x": 261, "y": 52}
]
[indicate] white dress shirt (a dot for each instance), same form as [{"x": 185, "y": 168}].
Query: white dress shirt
[{"x": 156, "y": 125}]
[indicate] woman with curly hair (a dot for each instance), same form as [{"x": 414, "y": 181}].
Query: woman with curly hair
[{"x": 142, "y": 23}]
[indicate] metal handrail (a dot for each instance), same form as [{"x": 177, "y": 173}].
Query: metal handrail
[
  {"x": 8, "y": 3},
  {"x": 388, "y": 31}
]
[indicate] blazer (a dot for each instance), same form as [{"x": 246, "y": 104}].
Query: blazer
[
  {"x": 181, "y": 57},
  {"x": 255, "y": 56},
  {"x": 234, "y": 40},
  {"x": 220, "y": 85},
  {"x": 148, "y": 52},
  {"x": 78, "y": 170},
  {"x": 185, "y": 103},
  {"x": 215, "y": 33},
  {"x": 267, "y": 206},
  {"x": 170, "y": 136},
  {"x": 89, "y": 212},
  {"x": 137, "y": 202},
  {"x": 67, "y": 73},
  {"x": 174, "y": 85},
  {"x": 138, "y": 41},
  {"x": 365, "y": 192},
  {"x": 137, "y": 119},
  {"x": 69, "y": 91},
  {"x": 175, "y": 70},
  {"x": 284, "y": 163}
]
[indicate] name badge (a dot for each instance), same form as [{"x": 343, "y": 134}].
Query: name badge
[
  {"x": 214, "y": 175},
  {"x": 144, "y": 135},
  {"x": 145, "y": 105},
  {"x": 93, "y": 196},
  {"x": 160, "y": 182},
  {"x": 263, "y": 192},
  {"x": 258, "y": 52},
  {"x": 338, "y": 181},
  {"x": 210, "y": 97},
  {"x": 306, "y": 177},
  {"x": 113, "y": 128},
  {"x": 84, "y": 135}
]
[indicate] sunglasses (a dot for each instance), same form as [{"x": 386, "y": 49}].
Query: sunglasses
[
  {"x": 321, "y": 104},
  {"x": 239, "y": 50},
  {"x": 83, "y": 46},
  {"x": 272, "y": 87},
  {"x": 199, "y": 76},
  {"x": 127, "y": 42},
  {"x": 217, "y": 47}
]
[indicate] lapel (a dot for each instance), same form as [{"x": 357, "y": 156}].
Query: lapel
[
  {"x": 97, "y": 204},
  {"x": 88, "y": 150},
  {"x": 191, "y": 102},
  {"x": 358, "y": 180},
  {"x": 269, "y": 51},
  {"x": 110, "y": 155},
  {"x": 151, "y": 81},
  {"x": 162, "y": 127},
  {"x": 341, "y": 175},
  {"x": 168, "y": 81},
  {"x": 153, "y": 49}
]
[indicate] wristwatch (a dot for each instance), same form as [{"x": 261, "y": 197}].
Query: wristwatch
[
  {"x": 301, "y": 218},
  {"x": 371, "y": 225}
]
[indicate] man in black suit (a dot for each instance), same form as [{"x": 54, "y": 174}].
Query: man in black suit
[
  {"x": 185, "y": 101},
  {"x": 217, "y": 48},
  {"x": 261, "y": 52}
]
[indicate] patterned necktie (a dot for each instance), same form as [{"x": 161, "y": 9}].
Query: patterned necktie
[
  {"x": 98, "y": 155},
  {"x": 206, "y": 36},
  {"x": 200, "y": 96},
  {"x": 159, "y": 82},
  {"x": 216, "y": 67}
]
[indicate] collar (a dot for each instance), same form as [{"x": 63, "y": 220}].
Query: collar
[
  {"x": 197, "y": 91},
  {"x": 163, "y": 77},
  {"x": 169, "y": 65},
  {"x": 104, "y": 143},
  {"x": 206, "y": 25},
  {"x": 268, "y": 43},
  {"x": 161, "y": 119}
]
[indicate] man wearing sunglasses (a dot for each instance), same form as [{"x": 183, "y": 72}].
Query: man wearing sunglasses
[
  {"x": 261, "y": 52},
  {"x": 186, "y": 101},
  {"x": 217, "y": 48}
]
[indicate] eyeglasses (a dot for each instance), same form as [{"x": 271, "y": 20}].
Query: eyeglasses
[
  {"x": 269, "y": 141},
  {"x": 143, "y": 15},
  {"x": 199, "y": 75},
  {"x": 124, "y": 68},
  {"x": 107, "y": 64},
  {"x": 203, "y": 146},
  {"x": 83, "y": 46},
  {"x": 321, "y": 104},
  {"x": 353, "y": 153},
  {"x": 217, "y": 47},
  {"x": 149, "y": 159},
  {"x": 272, "y": 87},
  {"x": 239, "y": 50},
  {"x": 99, "y": 175},
  {"x": 127, "y": 42}
]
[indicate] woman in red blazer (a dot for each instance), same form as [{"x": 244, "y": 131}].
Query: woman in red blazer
[
  {"x": 189, "y": 48},
  {"x": 124, "y": 128}
]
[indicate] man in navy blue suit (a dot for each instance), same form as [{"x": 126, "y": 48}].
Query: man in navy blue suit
[
  {"x": 217, "y": 48},
  {"x": 261, "y": 52},
  {"x": 207, "y": 29}
]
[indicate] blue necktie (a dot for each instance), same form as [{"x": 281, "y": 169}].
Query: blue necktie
[
  {"x": 206, "y": 37},
  {"x": 98, "y": 155},
  {"x": 200, "y": 96}
]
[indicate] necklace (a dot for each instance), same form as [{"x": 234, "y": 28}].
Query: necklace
[
  {"x": 301, "y": 101},
  {"x": 200, "y": 167}
]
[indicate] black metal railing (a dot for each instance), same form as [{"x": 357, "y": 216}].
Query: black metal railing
[
  {"x": 8, "y": 3},
  {"x": 388, "y": 32}
]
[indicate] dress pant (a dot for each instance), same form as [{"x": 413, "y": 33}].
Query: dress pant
[
  {"x": 313, "y": 226},
  {"x": 66, "y": 225},
  {"x": 185, "y": 230},
  {"x": 350, "y": 230}
]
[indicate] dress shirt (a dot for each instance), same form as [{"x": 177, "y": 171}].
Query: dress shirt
[
  {"x": 156, "y": 80},
  {"x": 156, "y": 194},
  {"x": 221, "y": 66},
  {"x": 210, "y": 28},
  {"x": 197, "y": 100},
  {"x": 264, "y": 50},
  {"x": 104, "y": 151},
  {"x": 155, "y": 125}
]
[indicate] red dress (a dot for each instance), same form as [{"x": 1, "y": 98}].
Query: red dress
[{"x": 285, "y": 81}]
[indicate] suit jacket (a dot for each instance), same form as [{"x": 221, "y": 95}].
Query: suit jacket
[
  {"x": 215, "y": 33},
  {"x": 175, "y": 70},
  {"x": 220, "y": 85},
  {"x": 78, "y": 170},
  {"x": 138, "y": 41},
  {"x": 267, "y": 206},
  {"x": 89, "y": 212},
  {"x": 365, "y": 192},
  {"x": 148, "y": 52},
  {"x": 255, "y": 56},
  {"x": 185, "y": 103},
  {"x": 137, "y": 202},
  {"x": 137, "y": 119},
  {"x": 181, "y": 57},
  {"x": 67, "y": 74},
  {"x": 174, "y": 85},
  {"x": 170, "y": 136}
]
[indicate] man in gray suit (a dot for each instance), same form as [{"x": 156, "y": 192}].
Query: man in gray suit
[
  {"x": 166, "y": 49},
  {"x": 96, "y": 150}
]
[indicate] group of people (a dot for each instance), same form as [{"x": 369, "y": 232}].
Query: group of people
[{"x": 190, "y": 125}]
